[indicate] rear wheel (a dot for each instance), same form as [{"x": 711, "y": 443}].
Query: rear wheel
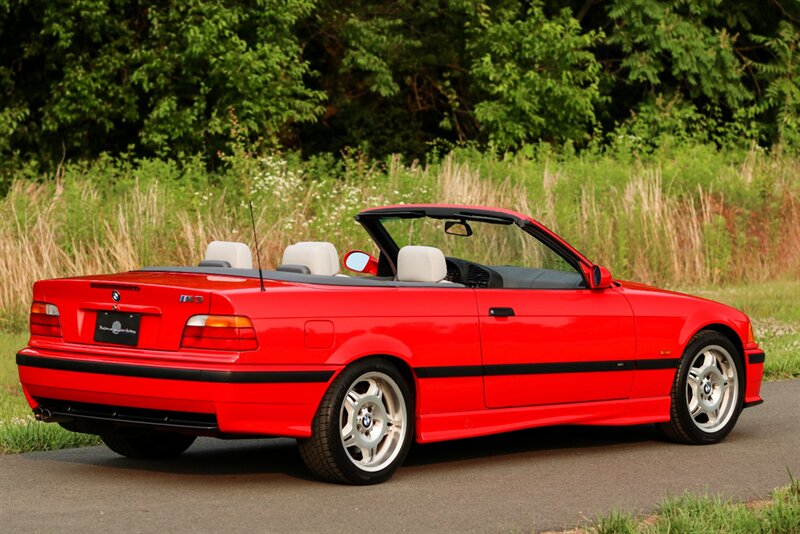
[
  {"x": 707, "y": 394},
  {"x": 148, "y": 444},
  {"x": 364, "y": 426}
]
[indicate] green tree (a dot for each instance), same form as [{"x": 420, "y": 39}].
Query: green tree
[
  {"x": 80, "y": 77},
  {"x": 536, "y": 74},
  {"x": 399, "y": 75},
  {"x": 83, "y": 77},
  {"x": 708, "y": 69},
  {"x": 780, "y": 105}
]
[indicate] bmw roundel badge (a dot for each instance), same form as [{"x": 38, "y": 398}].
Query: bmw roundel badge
[{"x": 115, "y": 296}]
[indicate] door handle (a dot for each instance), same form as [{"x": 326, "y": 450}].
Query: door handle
[{"x": 501, "y": 312}]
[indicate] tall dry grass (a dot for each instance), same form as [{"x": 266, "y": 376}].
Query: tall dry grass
[{"x": 646, "y": 222}]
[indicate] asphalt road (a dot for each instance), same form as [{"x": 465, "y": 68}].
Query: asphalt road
[{"x": 525, "y": 481}]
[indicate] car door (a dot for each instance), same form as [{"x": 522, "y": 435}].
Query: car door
[{"x": 553, "y": 346}]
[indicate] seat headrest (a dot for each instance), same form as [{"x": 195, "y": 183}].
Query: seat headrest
[
  {"x": 421, "y": 264},
  {"x": 236, "y": 254},
  {"x": 319, "y": 256}
]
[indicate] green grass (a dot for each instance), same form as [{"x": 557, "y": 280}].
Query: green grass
[
  {"x": 692, "y": 514},
  {"x": 19, "y": 431},
  {"x": 694, "y": 216}
]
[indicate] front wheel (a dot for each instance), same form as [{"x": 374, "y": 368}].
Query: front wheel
[
  {"x": 707, "y": 394},
  {"x": 364, "y": 426},
  {"x": 148, "y": 444}
]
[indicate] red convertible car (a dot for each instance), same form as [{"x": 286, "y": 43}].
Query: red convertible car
[{"x": 470, "y": 321}]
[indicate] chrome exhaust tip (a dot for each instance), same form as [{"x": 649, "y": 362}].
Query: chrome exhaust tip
[{"x": 43, "y": 414}]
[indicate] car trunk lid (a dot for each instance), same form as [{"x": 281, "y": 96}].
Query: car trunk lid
[{"x": 136, "y": 309}]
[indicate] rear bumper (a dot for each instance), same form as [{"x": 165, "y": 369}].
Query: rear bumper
[{"x": 239, "y": 399}]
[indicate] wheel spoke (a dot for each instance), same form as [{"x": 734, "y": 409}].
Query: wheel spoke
[
  {"x": 348, "y": 437},
  {"x": 350, "y": 402},
  {"x": 708, "y": 359},
  {"x": 695, "y": 408},
  {"x": 692, "y": 379},
  {"x": 694, "y": 375},
  {"x": 374, "y": 390},
  {"x": 713, "y": 415},
  {"x": 367, "y": 455}
]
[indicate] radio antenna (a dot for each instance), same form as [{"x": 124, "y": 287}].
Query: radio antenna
[{"x": 258, "y": 254}]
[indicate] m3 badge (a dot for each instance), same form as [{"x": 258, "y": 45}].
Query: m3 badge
[{"x": 197, "y": 299}]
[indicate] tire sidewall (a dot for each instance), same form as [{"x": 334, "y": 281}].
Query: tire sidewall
[
  {"x": 339, "y": 389},
  {"x": 695, "y": 347}
]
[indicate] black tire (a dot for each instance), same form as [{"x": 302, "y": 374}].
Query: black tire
[
  {"x": 148, "y": 444},
  {"x": 682, "y": 426},
  {"x": 325, "y": 453}
]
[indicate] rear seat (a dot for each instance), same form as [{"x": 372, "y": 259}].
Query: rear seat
[
  {"x": 228, "y": 254},
  {"x": 311, "y": 257}
]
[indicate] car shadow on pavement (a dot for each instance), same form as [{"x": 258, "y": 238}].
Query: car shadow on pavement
[
  {"x": 207, "y": 457},
  {"x": 254, "y": 457}
]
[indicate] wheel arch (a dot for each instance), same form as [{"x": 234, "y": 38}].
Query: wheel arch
[
  {"x": 731, "y": 335},
  {"x": 405, "y": 370},
  {"x": 401, "y": 363}
]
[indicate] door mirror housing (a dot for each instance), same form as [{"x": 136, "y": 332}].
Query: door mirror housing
[
  {"x": 359, "y": 261},
  {"x": 599, "y": 277}
]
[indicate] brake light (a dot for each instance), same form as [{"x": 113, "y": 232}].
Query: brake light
[
  {"x": 45, "y": 320},
  {"x": 219, "y": 332}
]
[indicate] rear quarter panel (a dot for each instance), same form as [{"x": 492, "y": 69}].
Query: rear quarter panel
[{"x": 429, "y": 326}]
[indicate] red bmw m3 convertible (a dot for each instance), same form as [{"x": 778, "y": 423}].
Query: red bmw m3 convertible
[{"x": 470, "y": 321}]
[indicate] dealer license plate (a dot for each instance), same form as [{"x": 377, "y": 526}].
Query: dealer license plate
[{"x": 117, "y": 327}]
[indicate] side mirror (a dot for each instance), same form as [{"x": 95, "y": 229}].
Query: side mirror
[
  {"x": 361, "y": 262},
  {"x": 599, "y": 277}
]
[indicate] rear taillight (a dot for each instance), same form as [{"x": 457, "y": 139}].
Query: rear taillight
[
  {"x": 45, "y": 320},
  {"x": 219, "y": 332}
]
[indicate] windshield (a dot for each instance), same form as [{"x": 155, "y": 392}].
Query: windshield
[{"x": 488, "y": 243}]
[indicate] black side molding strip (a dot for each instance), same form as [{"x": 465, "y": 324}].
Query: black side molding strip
[
  {"x": 756, "y": 357},
  {"x": 449, "y": 371},
  {"x": 460, "y": 371},
  {"x": 659, "y": 363},
  {"x": 751, "y": 404},
  {"x": 172, "y": 373},
  {"x": 556, "y": 367}
]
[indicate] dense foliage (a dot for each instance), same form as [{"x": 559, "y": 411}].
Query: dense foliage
[{"x": 83, "y": 77}]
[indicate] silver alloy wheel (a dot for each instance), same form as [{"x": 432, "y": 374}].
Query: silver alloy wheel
[
  {"x": 712, "y": 388},
  {"x": 373, "y": 421}
]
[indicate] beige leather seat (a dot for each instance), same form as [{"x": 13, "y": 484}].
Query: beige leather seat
[
  {"x": 421, "y": 264},
  {"x": 228, "y": 254},
  {"x": 319, "y": 256}
]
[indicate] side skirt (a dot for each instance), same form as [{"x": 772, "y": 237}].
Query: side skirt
[{"x": 445, "y": 426}]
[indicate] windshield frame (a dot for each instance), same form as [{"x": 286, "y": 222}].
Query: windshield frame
[{"x": 371, "y": 220}]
